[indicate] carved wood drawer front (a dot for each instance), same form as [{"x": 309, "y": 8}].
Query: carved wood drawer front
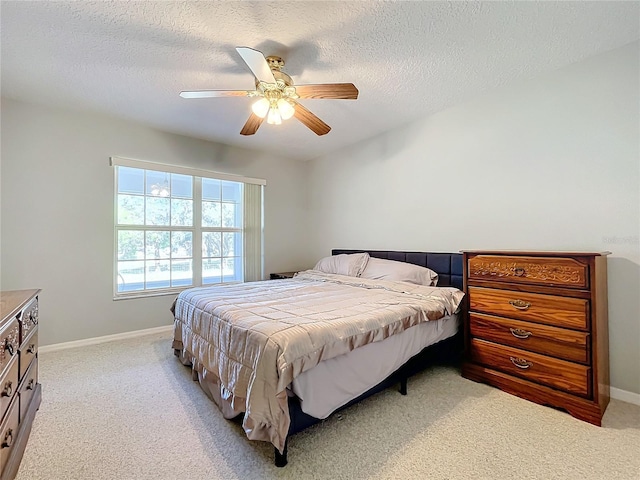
[
  {"x": 9, "y": 343},
  {"x": 568, "y": 376},
  {"x": 8, "y": 386},
  {"x": 534, "y": 307},
  {"x": 18, "y": 350},
  {"x": 28, "y": 351},
  {"x": 8, "y": 432},
  {"x": 566, "y": 272},
  {"x": 28, "y": 319},
  {"x": 27, "y": 388},
  {"x": 556, "y": 342}
]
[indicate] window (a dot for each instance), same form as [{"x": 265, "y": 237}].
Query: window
[{"x": 174, "y": 230}]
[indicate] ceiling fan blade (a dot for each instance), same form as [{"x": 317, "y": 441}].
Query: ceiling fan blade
[
  {"x": 216, "y": 93},
  {"x": 310, "y": 120},
  {"x": 252, "y": 125},
  {"x": 340, "y": 91},
  {"x": 257, "y": 64}
]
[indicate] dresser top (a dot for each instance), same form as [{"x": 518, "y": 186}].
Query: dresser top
[
  {"x": 537, "y": 253},
  {"x": 12, "y": 301}
]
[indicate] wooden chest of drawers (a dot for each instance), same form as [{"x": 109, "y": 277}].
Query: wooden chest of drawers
[
  {"x": 20, "y": 392},
  {"x": 537, "y": 327}
]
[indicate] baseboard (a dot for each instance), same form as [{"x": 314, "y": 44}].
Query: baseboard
[
  {"x": 625, "y": 396},
  {"x": 107, "y": 338}
]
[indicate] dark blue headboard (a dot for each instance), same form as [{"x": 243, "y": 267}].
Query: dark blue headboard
[{"x": 448, "y": 266}]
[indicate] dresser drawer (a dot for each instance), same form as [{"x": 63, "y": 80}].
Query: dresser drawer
[
  {"x": 27, "y": 387},
  {"x": 566, "y": 312},
  {"x": 28, "y": 319},
  {"x": 552, "y": 271},
  {"x": 9, "y": 343},
  {"x": 8, "y": 386},
  {"x": 8, "y": 433},
  {"x": 557, "y": 342},
  {"x": 560, "y": 374},
  {"x": 28, "y": 351}
]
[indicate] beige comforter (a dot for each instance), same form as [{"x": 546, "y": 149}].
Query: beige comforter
[{"x": 248, "y": 341}]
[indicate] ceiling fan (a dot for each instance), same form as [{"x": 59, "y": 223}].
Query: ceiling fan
[{"x": 276, "y": 94}]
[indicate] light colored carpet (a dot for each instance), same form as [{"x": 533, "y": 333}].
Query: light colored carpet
[{"x": 129, "y": 410}]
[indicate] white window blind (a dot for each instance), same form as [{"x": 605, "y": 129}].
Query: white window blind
[{"x": 253, "y": 234}]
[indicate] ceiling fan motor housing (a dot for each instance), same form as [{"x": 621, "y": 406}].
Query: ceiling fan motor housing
[{"x": 275, "y": 64}]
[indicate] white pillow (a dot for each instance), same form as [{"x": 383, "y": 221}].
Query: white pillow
[
  {"x": 381, "y": 269},
  {"x": 345, "y": 264}
]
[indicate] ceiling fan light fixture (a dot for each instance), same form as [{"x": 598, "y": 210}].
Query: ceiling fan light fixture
[
  {"x": 261, "y": 107},
  {"x": 286, "y": 109},
  {"x": 277, "y": 94},
  {"x": 161, "y": 189},
  {"x": 274, "y": 117}
]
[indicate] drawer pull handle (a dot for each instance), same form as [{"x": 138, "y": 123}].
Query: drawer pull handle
[
  {"x": 521, "y": 363},
  {"x": 32, "y": 348},
  {"x": 520, "y": 304},
  {"x": 8, "y": 439},
  {"x": 8, "y": 346},
  {"x": 520, "y": 333},
  {"x": 30, "y": 384},
  {"x": 7, "y": 391},
  {"x": 519, "y": 272}
]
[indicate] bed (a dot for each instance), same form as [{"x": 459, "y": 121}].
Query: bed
[{"x": 279, "y": 354}]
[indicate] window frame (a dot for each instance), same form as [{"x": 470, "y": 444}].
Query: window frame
[{"x": 197, "y": 258}]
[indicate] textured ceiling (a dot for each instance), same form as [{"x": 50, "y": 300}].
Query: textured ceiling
[{"x": 408, "y": 59}]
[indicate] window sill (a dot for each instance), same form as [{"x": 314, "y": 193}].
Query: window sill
[
  {"x": 164, "y": 293},
  {"x": 138, "y": 295}
]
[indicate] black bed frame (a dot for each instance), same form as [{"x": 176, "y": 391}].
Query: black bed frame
[{"x": 448, "y": 266}]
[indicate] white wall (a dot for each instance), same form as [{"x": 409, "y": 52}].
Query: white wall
[
  {"x": 547, "y": 164},
  {"x": 552, "y": 163},
  {"x": 57, "y": 212}
]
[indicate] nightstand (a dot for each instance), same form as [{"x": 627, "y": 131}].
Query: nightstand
[{"x": 281, "y": 275}]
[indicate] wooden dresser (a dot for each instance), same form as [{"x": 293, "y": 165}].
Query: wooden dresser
[
  {"x": 537, "y": 327},
  {"x": 20, "y": 392}
]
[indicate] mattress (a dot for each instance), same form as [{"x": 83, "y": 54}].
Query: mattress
[
  {"x": 335, "y": 382},
  {"x": 248, "y": 342}
]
